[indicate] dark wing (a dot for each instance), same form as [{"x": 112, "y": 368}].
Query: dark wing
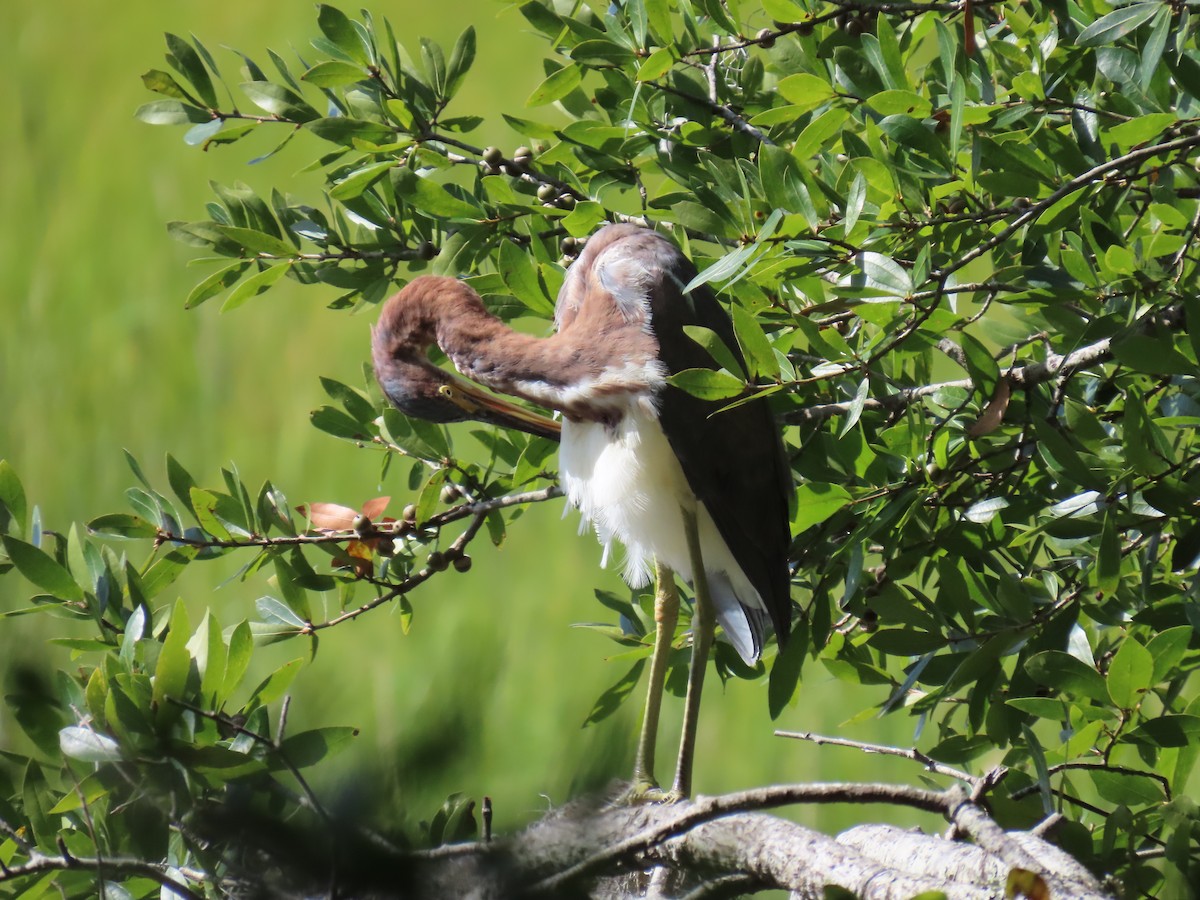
[{"x": 734, "y": 460}]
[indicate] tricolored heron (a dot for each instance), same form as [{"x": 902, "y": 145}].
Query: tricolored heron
[{"x": 693, "y": 490}]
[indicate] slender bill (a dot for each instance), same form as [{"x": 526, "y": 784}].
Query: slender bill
[{"x": 476, "y": 403}]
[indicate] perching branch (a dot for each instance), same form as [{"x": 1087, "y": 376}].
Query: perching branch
[{"x": 718, "y": 838}]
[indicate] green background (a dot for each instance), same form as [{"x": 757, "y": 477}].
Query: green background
[{"x": 488, "y": 693}]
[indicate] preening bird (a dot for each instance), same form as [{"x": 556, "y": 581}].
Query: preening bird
[{"x": 680, "y": 483}]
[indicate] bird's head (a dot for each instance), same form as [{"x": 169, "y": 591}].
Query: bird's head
[{"x": 407, "y": 328}]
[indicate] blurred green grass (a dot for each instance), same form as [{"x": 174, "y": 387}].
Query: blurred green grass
[{"x": 488, "y": 693}]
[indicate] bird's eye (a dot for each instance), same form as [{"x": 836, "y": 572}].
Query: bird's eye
[{"x": 446, "y": 391}]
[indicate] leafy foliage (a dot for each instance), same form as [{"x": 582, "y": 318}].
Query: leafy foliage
[{"x": 959, "y": 249}]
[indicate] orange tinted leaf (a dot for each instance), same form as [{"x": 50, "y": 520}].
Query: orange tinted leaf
[
  {"x": 372, "y": 508},
  {"x": 993, "y": 414},
  {"x": 333, "y": 516}
]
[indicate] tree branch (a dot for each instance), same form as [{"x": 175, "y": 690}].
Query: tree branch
[
  {"x": 109, "y": 866},
  {"x": 1054, "y": 366}
]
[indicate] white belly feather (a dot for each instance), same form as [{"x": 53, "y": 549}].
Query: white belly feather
[{"x": 626, "y": 481}]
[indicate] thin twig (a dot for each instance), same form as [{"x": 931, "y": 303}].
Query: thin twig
[
  {"x": 1054, "y": 366},
  {"x": 455, "y": 549},
  {"x": 272, "y": 745},
  {"x": 930, "y": 764},
  {"x": 1094, "y": 174},
  {"x": 110, "y": 866}
]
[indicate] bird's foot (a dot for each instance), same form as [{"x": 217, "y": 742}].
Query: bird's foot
[{"x": 649, "y": 792}]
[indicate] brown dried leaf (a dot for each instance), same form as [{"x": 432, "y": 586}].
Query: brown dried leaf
[
  {"x": 332, "y": 516},
  {"x": 1023, "y": 883},
  {"x": 993, "y": 414},
  {"x": 373, "y": 508}
]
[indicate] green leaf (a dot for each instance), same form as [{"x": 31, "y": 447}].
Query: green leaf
[
  {"x": 257, "y": 241},
  {"x": 13, "y": 505},
  {"x": 1108, "y": 559},
  {"x": 174, "y": 664},
  {"x": 334, "y": 73},
  {"x": 461, "y": 60},
  {"x": 722, "y": 355},
  {"x": 816, "y": 502},
  {"x": 42, "y": 569},
  {"x": 612, "y": 698},
  {"x": 520, "y": 277},
  {"x": 885, "y": 274},
  {"x": 855, "y": 410},
  {"x": 900, "y": 103},
  {"x": 782, "y": 180},
  {"x": 241, "y": 648},
  {"x": 701, "y": 218},
  {"x": 1156, "y": 356},
  {"x": 658, "y": 16},
  {"x": 273, "y": 686},
  {"x": 804, "y": 91},
  {"x": 983, "y": 368},
  {"x": 1118, "y": 23},
  {"x": 1063, "y": 672},
  {"x": 430, "y": 197},
  {"x": 1042, "y": 707},
  {"x": 256, "y": 284},
  {"x": 601, "y": 53},
  {"x": 279, "y": 101},
  {"x": 556, "y": 86},
  {"x": 1139, "y": 130},
  {"x": 354, "y": 401},
  {"x": 785, "y": 11},
  {"x": 204, "y": 505},
  {"x": 584, "y": 218},
  {"x": 208, "y": 650},
  {"x": 171, "y": 112},
  {"x": 122, "y": 525},
  {"x": 337, "y": 27},
  {"x": 785, "y": 673},
  {"x": 1063, "y": 210},
  {"x": 216, "y": 283},
  {"x": 1127, "y": 788},
  {"x": 707, "y": 384},
  {"x": 1152, "y": 50},
  {"x": 360, "y": 179},
  {"x": 817, "y": 132},
  {"x": 166, "y": 569},
  {"x": 1167, "y": 649},
  {"x": 311, "y": 747},
  {"x": 724, "y": 268},
  {"x": 334, "y": 421},
  {"x": 435, "y": 65},
  {"x": 1130, "y": 674},
  {"x": 275, "y": 612},
  {"x": 346, "y": 131},
  {"x": 1167, "y": 731},
  {"x": 186, "y": 61},
  {"x": 656, "y": 65},
  {"x": 759, "y": 354},
  {"x": 164, "y": 83},
  {"x": 855, "y": 201},
  {"x": 88, "y": 746}
]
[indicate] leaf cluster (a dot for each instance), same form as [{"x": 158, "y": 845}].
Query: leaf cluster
[{"x": 958, "y": 246}]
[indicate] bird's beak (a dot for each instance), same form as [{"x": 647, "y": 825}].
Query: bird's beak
[{"x": 478, "y": 404}]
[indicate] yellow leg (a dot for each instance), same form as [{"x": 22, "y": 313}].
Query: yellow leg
[
  {"x": 666, "y": 616},
  {"x": 703, "y": 626}
]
